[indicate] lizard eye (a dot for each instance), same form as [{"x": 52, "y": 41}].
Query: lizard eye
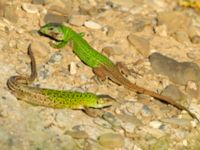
[{"x": 51, "y": 28}]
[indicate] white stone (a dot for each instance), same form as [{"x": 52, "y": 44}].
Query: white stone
[
  {"x": 155, "y": 124},
  {"x": 77, "y": 20},
  {"x": 92, "y": 25},
  {"x": 72, "y": 68}
]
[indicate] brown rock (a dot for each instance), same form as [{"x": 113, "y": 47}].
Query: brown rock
[{"x": 142, "y": 45}]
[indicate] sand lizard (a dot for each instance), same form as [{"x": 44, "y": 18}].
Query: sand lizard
[
  {"x": 20, "y": 87},
  {"x": 102, "y": 66}
]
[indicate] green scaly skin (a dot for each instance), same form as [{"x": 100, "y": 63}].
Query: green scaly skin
[
  {"x": 19, "y": 86},
  {"x": 102, "y": 66}
]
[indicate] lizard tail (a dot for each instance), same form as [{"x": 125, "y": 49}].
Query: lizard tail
[{"x": 162, "y": 98}]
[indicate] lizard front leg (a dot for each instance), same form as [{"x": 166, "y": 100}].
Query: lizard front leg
[
  {"x": 101, "y": 74},
  {"x": 123, "y": 69},
  {"x": 92, "y": 112}
]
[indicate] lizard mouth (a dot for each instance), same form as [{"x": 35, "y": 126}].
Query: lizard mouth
[{"x": 50, "y": 36}]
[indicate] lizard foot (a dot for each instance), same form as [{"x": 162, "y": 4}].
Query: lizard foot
[
  {"x": 92, "y": 112},
  {"x": 124, "y": 70}
]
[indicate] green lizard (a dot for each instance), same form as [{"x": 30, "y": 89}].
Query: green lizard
[
  {"x": 19, "y": 85},
  {"x": 102, "y": 66}
]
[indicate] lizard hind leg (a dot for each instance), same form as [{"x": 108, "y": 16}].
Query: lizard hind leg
[{"x": 100, "y": 75}]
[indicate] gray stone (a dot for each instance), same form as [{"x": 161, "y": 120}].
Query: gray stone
[
  {"x": 56, "y": 57},
  {"x": 178, "y": 72},
  {"x": 173, "y": 92}
]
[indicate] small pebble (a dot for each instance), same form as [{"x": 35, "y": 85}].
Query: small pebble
[
  {"x": 51, "y": 17},
  {"x": 56, "y": 57},
  {"x": 155, "y": 124},
  {"x": 146, "y": 111},
  {"x": 129, "y": 119},
  {"x": 140, "y": 23},
  {"x": 195, "y": 39},
  {"x": 29, "y": 8},
  {"x": 77, "y": 20},
  {"x": 13, "y": 43},
  {"x": 92, "y": 25},
  {"x": 111, "y": 140},
  {"x": 109, "y": 31},
  {"x": 193, "y": 89},
  {"x": 77, "y": 134},
  {"x": 112, "y": 50},
  {"x": 128, "y": 127},
  {"x": 72, "y": 68},
  {"x": 161, "y": 30},
  {"x": 182, "y": 37},
  {"x": 102, "y": 123},
  {"x": 45, "y": 72},
  {"x": 111, "y": 119}
]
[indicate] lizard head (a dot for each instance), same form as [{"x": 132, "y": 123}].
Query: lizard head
[
  {"x": 53, "y": 30},
  {"x": 104, "y": 101}
]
